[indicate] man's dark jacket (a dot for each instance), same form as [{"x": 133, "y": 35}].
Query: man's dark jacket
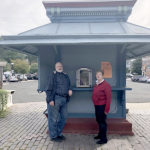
[{"x": 59, "y": 84}]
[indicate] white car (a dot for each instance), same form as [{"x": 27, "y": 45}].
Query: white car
[
  {"x": 143, "y": 79},
  {"x": 4, "y": 78},
  {"x": 13, "y": 79},
  {"x": 129, "y": 75},
  {"x": 148, "y": 80},
  {"x": 23, "y": 77}
]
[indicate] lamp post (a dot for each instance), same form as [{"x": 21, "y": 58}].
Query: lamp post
[{"x": 12, "y": 71}]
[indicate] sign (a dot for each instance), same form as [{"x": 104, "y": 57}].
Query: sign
[{"x": 106, "y": 67}]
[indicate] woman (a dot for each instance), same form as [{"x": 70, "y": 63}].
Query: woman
[{"x": 101, "y": 98}]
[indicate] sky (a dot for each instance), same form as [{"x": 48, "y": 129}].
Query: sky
[{"x": 17, "y": 16}]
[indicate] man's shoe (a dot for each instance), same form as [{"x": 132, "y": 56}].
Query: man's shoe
[
  {"x": 101, "y": 142},
  {"x": 97, "y": 137},
  {"x": 56, "y": 139},
  {"x": 62, "y": 137}
]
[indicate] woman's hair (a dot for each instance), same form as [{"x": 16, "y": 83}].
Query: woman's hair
[{"x": 100, "y": 71}]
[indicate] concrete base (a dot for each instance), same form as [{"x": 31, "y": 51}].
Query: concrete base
[
  {"x": 89, "y": 126},
  {"x": 9, "y": 100}
]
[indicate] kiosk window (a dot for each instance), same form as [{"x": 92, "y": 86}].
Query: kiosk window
[{"x": 83, "y": 77}]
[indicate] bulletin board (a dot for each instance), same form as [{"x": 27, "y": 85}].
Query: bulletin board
[{"x": 106, "y": 67}]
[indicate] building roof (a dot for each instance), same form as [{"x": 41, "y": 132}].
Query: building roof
[
  {"x": 103, "y": 28},
  {"x": 87, "y": 3},
  {"x": 95, "y": 22},
  {"x": 88, "y": 10},
  {"x": 135, "y": 39}
]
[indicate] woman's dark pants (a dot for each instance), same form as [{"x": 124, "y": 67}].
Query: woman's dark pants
[{"x": 101, "y": 120}]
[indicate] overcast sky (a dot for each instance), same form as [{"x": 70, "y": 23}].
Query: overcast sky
[{"x": 17, "y": 16}]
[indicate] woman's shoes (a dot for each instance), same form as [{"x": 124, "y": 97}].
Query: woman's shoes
[
  {"x": 101, "y": 142},
  {"x": 97, "y": 137},
  {"x": 104, "y": 141}
]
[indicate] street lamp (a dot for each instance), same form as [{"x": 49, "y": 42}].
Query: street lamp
[{"x": 12, "y": 71}]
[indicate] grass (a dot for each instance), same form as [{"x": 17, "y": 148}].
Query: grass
[
  {"x": 3, "y": 103},
  {"x": 4, "y": 113}
]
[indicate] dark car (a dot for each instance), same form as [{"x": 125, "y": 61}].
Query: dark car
[
  {"x": 35, "y": 76},
  {"x": 136, "y": 78},
  {"x": 30, "y": 76}
]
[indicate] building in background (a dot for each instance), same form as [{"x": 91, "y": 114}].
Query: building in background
[
  {"x": 129, "y": 65},
  {"x": 146, "y": 66}
]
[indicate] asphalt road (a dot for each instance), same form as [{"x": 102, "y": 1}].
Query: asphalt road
[
  {"x": 26, "y": 91},
  {"x": 140, "y": 92}
]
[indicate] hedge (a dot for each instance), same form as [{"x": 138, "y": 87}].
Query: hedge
[{"x": 3, "y": 99}]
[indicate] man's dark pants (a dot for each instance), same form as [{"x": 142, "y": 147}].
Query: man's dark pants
[
  {"x": 101, "y": 120},
  {"x": 57, "y": 116}
]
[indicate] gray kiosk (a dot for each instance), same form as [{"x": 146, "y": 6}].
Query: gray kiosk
[{"x": 86, "y": 35}]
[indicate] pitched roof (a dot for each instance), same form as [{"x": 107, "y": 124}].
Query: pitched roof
[{"x": 136, "y": 39}]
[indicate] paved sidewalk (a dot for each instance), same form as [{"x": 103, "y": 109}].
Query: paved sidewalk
[
  {"x": 139, "y": 116},
  {"x": 25, "y": 129}
]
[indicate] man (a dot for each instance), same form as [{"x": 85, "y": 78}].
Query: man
[
  {"x": 101, "y": 98},
  {"x": 57, "y": 95}
]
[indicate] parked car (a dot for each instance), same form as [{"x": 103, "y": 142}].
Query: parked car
[
  {"x": 4, "y": 78},
  {"x": 136, "y": 77},
  {"x": 22, "y": 77},
  {"x": 143, "y": 79},
  {"x": 18, "y": 77},
  {"x": 30, "y": 76},
  {"x": 129, "y": 75},
  {"x": 148, "y": 80},
  {"x": 35, "y": 76},
  {"x": 12, "y": 79},
  {"x": 7, "y": 74}
]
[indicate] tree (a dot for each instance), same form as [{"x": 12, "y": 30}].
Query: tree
[
  {"x": 10, "y": 55},
  {"x": 34, "y": 68},
  {"x": 20, "y": 66},
  {"x": 137, "y": 66},
  {"x": 32, "y": 59},
  {"x": 7, "y": 67},
  {"x": 127, "y": 70}
]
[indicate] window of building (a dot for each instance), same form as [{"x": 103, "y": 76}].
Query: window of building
[{"x": 84, "y": 77}]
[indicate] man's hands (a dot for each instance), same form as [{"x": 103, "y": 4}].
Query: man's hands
[
  {"x": 51, "y": 103},
  {"x": 70, "y": 92}
]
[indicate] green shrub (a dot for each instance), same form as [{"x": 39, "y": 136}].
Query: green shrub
[
  {"x": 34, "y": 68},
  {"x": 3, "y": 100}
]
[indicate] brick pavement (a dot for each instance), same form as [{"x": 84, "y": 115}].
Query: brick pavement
[
  {"x": 139, "y": 116},
  {"x": 25, "y": 129}
]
